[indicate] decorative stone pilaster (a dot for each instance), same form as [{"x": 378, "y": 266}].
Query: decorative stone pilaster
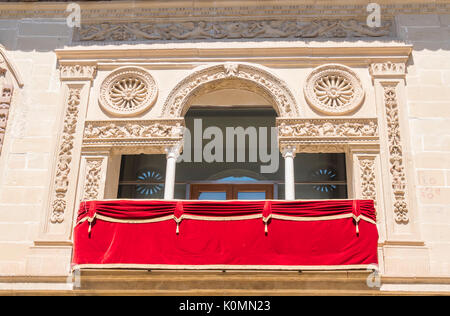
[
  {"x": 396, "y": 154},
  {"x": 76, "y": 81}
]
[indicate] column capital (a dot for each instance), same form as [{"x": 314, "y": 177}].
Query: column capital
[
  {"x": 172, "y": 151},
  {"x": 288, "y": 151}
]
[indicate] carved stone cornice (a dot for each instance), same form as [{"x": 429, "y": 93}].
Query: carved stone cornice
[
  {"x": 157, "y": 133},
  {"x": 387, "y": 70},
  {"x": 77, "y": 72},
  {"x": 147, "y": 10}
]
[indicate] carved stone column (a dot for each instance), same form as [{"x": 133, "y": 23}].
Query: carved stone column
[
  {"x": 172, "y": 154},
  {"x": 56, "y": 223},
  {"x": 402, "y": 232},
  {"x": 289, "y": 175}
]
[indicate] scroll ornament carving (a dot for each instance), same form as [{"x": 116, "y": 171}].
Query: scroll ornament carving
[
  {"x": 64, "y": 158},
  {"x": 92, "y": 180},
  {"x": 396, "y": 154},
  {"x": 133, "y": 130},
  {"x": 329, "y": 128},
  {"x": 210, "y": 79},
  {"x": 128, "y": 91},
  {"x": 215, "y": 30},
  {"x": 334, "y": 90},
  {"x": 368, "y": 183}
]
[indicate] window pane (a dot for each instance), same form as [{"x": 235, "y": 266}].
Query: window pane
[
  {"x": 212, "y": 196},
  {"x": 251, "y": 195},
  {"x": 321, "y": 191}
]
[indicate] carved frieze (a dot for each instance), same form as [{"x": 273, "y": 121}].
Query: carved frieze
[
  {"x": 348, "y": 128},
  {"x": 133, "y": 129},
  {"x": 333, "y": 89},
  {"x": 396, "y": 159},
  {"x": 64, "y": 156},
  {"x": 128, "y": 91},
  {"x": 231, "y": 75},
  {"x": 231, "y": 29}
]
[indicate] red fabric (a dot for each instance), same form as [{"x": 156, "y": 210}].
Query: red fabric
[{"x": 200, "y": 242}]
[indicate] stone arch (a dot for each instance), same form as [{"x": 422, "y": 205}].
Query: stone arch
[{"x": 231, "y": 76}]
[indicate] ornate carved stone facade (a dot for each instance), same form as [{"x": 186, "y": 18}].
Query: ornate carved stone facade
[{"x": 64, "y": 156}]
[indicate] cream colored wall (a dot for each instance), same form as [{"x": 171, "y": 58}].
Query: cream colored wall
[
  {"x": 28, "y": 151},
  {"x": 428, "y": 100}
]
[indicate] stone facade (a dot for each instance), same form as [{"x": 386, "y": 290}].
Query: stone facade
[{"x": 381, "y": 95}]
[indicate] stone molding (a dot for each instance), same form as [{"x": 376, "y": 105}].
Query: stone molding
[
  {"x": 334, "y": 89},
  {"x": 64, "y": 156},
  {"x": 230, "y": 29},
  {"x": 227, "y": 76},
  {"x": 77, "y": 72},
  {"x": 128, "y": 91},
  {"x": 160, "y": 10}
]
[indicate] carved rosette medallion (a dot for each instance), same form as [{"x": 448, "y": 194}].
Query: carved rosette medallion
[
  {"x": 334, "y": 90},
  {"x": 396, "y": 161},
  {"x": 64, "y": 159},
  {"x": 128, "y": 91}
]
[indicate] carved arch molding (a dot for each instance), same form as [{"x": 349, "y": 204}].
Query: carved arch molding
[{"x": 9, "y": 78}]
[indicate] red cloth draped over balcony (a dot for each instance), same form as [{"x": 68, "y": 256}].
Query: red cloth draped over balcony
[{"x": 150, "y": 234}]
